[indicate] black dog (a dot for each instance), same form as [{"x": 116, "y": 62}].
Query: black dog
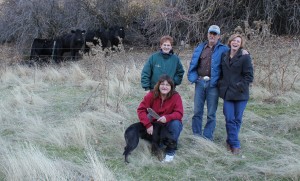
[{"x": 160, "y": 135}]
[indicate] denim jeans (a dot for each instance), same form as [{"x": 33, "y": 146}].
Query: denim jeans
[
  {"x": 203, "y": 92},
  {"x": 175, "y": 128},
  {"x": 233, "y": 112}
]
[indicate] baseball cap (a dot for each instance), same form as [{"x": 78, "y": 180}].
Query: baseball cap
[{"x": 214, "y": 28}]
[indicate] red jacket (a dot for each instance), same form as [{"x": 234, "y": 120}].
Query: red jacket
[{"x": 171, "y": 108}]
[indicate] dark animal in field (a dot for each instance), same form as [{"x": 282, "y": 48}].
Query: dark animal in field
[
  {"x": 72, "y": 42},
  {"x": 147, "y": 30},
  {"x": 160, "y": 135},
  {"x": 114, "y": 35},
  {"x": 117, "y": 34},
  {"x": 104, "y": 37},
  {"x": 91, "y": 37},
  {"x": 43, "y": 49}
]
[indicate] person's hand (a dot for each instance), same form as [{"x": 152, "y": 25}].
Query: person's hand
[
  {"x": 150, "y": 130},
  {"x": 245, "y": 52},
  {"x": 162, "y": 119}
]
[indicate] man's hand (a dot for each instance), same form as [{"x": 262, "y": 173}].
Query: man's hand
[
  {"x": 245, "y": 52},
  {"x": 150, "y": 130},
  {"x": 162, "y": 119}
]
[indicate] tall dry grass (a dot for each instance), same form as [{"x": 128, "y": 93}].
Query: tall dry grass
[{"x": 66, "y": 122}]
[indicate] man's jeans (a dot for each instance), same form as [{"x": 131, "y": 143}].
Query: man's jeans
[
  {"x": 233, "y": 112},
  {"x": 203, "y": 92},
  {"x": 175, "y": 128}
]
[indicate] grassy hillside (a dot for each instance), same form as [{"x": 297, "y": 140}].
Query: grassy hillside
[{"x": 66, "y": 122}]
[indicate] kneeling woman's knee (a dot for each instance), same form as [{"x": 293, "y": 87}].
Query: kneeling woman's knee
[{"x": 175, "y": 125}]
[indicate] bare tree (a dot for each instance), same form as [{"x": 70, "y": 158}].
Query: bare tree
[{"x": 187, "y": 20}]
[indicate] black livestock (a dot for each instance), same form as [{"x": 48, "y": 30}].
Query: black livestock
[
  {"x": 147, "y": 30},
  {"x": 91, "y": 37},
  {"x": 72, "y": 42},
  {"x": 43, "y": 49},
  {"x": 117, "y": 34},
  {"x": 160, "y": 136},
  {"x": 114, "y": 35}
]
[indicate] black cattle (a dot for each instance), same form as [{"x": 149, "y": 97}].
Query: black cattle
[
  {"x": 160, "y": 136},
  {"x": 114, "y": 35},
  {"x": 104, "y": 38},
  {"x": 72, "y": 42},
  {"x": 91, "y": 36},
  {"x": 147, "y": 30},
  {"x": 42, "y": 49}
]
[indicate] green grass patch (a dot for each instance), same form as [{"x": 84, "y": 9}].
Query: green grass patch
[
  {"x": 271, "y": 110},
  {"x": 293, "y": 136},
  {"x": 7, "y": 132},
  {"x": 64, "y": 101},
  {"x": 71, "y": 153}
]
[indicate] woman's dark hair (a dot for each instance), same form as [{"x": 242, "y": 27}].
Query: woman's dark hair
[{"x": 162, "y": 78}]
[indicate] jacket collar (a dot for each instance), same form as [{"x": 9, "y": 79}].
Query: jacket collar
[
  {"x": 233, "y": 59},
  {"x": 216, "y": 45},
  {"x": 170, "y": 53},
  {"x": 166, "y": 55},
  {"x": 236, "y": 56}
]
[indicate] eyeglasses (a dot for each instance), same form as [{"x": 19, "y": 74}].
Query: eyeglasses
[
  {"x": 213, "y": 33},
  {"x": 167, "y": 85}
]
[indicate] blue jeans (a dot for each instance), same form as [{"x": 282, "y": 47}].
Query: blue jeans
[
  {"x": 175, "y": 128},
  {"x": 233, "y": 112},
  {"x": 203, "y": 92}
]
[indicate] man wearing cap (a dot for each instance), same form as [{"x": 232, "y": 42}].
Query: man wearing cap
[{"x": 204, "y": 71}]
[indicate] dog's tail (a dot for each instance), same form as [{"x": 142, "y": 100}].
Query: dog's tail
[{"x": 126, "y": 153}]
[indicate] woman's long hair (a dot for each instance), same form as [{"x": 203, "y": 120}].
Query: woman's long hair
[{"x": 162, "y": 78}]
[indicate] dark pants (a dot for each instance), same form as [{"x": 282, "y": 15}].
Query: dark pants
[{"x": 175, "y": 128}]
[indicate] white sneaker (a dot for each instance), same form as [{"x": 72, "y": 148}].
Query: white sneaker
[{"x": 168, "y": 158}]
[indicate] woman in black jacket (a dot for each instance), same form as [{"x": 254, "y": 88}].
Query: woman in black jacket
[{"x": 236, "y": 75}]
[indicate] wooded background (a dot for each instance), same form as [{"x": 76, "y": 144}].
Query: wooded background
[{"x": 146, "y": 20}]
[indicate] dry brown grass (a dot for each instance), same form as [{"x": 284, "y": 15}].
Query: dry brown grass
[{"x": 67, "y": 122}]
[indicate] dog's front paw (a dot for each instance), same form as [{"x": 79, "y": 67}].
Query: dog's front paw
[
  {"x": 158, "y": 152},
  {"x": 161, "y": 155}
]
